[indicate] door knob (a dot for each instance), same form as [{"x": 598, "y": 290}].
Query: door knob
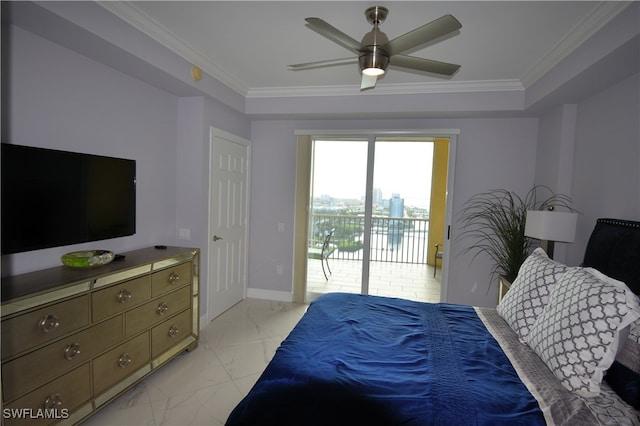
[{"x": 216, "y": 238}]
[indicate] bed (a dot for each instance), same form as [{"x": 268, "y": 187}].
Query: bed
[{"x": 560, "y": 348}]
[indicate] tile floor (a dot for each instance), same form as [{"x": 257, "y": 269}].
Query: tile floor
[{"x": 202, "y": 387}]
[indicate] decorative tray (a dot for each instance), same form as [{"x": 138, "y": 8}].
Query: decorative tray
[{"x": 87, "y": 258}]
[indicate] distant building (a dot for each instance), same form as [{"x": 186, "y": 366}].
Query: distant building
[
  {"x": 396, "y": 206},
  {"x": 396, "y": 209},
  {"x": 324, "y": 198},
  {"x": 377, "y": 196}
]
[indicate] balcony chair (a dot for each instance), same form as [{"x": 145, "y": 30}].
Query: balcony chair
[
  {"x": 436, "y": 256},
  {"x": 322, "y": 250}
]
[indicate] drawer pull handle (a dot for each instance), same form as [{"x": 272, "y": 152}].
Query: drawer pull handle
[
  {"x": 173, "y": 278},
  {"x": 52, "y": 401},
  {"x": 162, "y": 308},
  {"x": 48, "y": 323},
  {"x": 124, "y": 360},
  {"x": 124, "y": 296},
  {"x": 174, "y": 331},
  {"x": 71, "y": 351}
]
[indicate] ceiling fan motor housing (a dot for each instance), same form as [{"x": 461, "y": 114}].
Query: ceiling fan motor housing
[
  {"x": 375, "y": 58},
  {"x": 372, "y": 55}
]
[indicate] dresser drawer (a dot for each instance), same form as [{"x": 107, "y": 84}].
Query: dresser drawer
[
  {"x": 120, "y": 297},
  {"x": 153, "y": 312},
  {"x": 170, "y": 332},
  {"x": 42, "y": 365},
  {"x": 171, "y": 278},
  {"x": 42, "y": 325},
  {"x": 65, "y": 393},
  {"x": 118, "y": 363}
]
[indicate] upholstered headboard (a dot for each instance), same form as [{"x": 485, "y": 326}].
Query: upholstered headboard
[{"x": 614, "y": 250}]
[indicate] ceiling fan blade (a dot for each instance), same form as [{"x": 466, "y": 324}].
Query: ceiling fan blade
[
  {"x": 368, "y": 82},
  {"x": 427, "y": 65},
  {"x": 333, "y": 34},
  {"x": 320, "y": 64},
  {"x": 431, "y": 31}
]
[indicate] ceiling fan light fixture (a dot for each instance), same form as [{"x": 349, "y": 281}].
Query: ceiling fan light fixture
[
  {"x": 373, "y": 72},
  {"x": 373, "y": 63}
]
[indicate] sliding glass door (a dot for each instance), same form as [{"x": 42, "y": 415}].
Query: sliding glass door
[
  {"x": 401, "y": 196},
  {"x": 336, "y": 226},
  {"x": 369, "y": 217}
]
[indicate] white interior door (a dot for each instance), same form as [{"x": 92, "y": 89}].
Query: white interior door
[{"x": 228, "y": 220}]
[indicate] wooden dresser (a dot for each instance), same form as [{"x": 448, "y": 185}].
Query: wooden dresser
[{"x": 74, "y": 339}]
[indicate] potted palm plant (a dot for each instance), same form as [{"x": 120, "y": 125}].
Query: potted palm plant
[{"x": 494, "y": 221}]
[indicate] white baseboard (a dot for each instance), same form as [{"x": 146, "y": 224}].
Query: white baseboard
[
  {"x": 279, "y": 296},
  {"x": 204, "y": 320}
]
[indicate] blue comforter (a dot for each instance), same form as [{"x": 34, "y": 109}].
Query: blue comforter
[{"x": 359, "y": 360}]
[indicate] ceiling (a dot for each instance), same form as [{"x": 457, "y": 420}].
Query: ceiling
[{"x": 248, "y": 45}]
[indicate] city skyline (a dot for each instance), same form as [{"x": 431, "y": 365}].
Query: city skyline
[{"x": 405, "y": 168}]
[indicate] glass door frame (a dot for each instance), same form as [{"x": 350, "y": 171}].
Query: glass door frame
[{"x": 368, "y": 213}]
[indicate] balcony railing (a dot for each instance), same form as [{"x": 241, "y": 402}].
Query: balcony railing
[{"x": 399, "y": 240}]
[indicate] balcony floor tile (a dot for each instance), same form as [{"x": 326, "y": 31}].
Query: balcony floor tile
[{"x": 404, "y": 280}]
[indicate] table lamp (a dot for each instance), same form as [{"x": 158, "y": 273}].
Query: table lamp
[{"x": 550, "y": 226}]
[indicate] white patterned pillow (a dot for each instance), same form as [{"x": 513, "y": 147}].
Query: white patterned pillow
[
  {"x": 529, "y": 292},
  {"x": 578, "y": 332}
]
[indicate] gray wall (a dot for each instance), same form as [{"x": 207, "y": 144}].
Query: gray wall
[
  {"x": 491, "y": 153},
  {"x": 591, "y": 151},
  {"x": 606, "y": 175},
  {"x": 57, "y": 98}
]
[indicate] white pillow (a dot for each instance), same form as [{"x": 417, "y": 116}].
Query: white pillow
[
  {"x": 529, "y": 292},
  {"x": 578, "y": 332}
]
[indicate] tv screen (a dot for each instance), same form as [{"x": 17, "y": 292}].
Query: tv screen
[{"x": 54, "y": 198}]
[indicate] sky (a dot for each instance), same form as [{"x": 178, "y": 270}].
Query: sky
[{"x": 404, "y": 168}]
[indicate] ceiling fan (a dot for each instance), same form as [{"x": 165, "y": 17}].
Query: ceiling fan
[{"x": 375, "y": 51}]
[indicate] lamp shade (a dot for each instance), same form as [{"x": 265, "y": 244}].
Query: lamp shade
[{"x": 551, "y": 225}]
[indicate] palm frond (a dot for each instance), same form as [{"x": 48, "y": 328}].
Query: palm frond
[{"x": 494, "y": 222}]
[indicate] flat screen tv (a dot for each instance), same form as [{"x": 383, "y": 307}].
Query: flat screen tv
[{"x": 54, "y": 198}]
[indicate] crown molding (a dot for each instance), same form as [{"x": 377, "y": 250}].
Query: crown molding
[
  {"x": 597, "y": 19},
  {"x": 143, "y": 22},
  {"x": 389, "y": 89}
]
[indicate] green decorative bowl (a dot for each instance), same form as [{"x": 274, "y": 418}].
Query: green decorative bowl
[{"x": 87, "y": 258}]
